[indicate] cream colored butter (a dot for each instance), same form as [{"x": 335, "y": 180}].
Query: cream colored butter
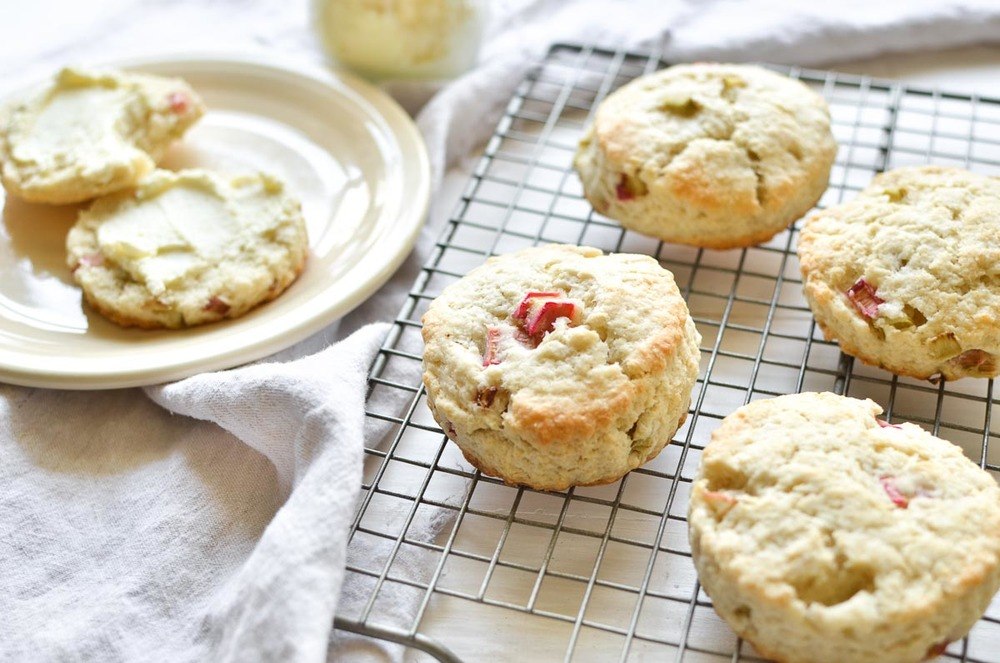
[
  {"x": 80, "y": 124},
  {"x": 182, "y": 224},
  {"x": 403, "y": 38},
  {"x": 185, "y": 248},
  {"x": 92, "y": 133}
]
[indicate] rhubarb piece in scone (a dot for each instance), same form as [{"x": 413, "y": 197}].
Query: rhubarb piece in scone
[
  {"x": 91, "y": 133},
  {"x": 560, "y": 366},
  {"x": 187, "y": 248},
  {"x": 824, "y": 534},
  {"x": 713, "y": 155},
  {"x": 907, "y": 275}
]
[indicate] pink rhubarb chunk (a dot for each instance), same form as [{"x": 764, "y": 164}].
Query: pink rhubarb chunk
[
  {"x": 622, "y": 192},
  {"x": 898, "y": 498},
  {"x": 89, "y": 260},
  {"x": 863, "y": 296},
  {"x": 542, "y": 320},
  {"x": 492, "y": 345},
  {"x": 485, "y": 396},
  {"x": 537, "y": 313},
  {"x": 521, "y": 313},
  {"x": 976, "y": 360},
  {"x": 92, "y": 259},
  {"x": 716, "y": 496},
  {"x": 179, "y": 102},
  {"x": 886, "y": 424},
  {"x": 216, "y": 305},
  {"x": 937, "y": 650}
]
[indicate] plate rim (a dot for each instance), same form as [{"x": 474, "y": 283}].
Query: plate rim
[{"x": 411, "y": 217}]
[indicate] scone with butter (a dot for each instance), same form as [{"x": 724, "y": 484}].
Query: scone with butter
[
  {"x": 187, "y": 248},
  {"x": 92, "y": 133}
]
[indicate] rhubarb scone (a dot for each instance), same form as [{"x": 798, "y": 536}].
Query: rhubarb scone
[
  {"x": 91, "y": 133},
  {"x": 560, "y": 366},
  {"x": 712, "y": 155},
  {"x": 824, "y": 534},
  {"x": 907, "y": 275},
  {"x": 187, "y": 248}
]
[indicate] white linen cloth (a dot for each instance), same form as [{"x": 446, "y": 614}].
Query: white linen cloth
[{"x": 207, "y": 519}]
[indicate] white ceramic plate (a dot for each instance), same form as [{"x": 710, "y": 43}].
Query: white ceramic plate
[{"x": 351, "y": 155}]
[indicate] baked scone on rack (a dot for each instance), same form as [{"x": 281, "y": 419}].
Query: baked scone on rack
[
  {"x": 712, "y": 155},
  {"x": 560, "y": 366},
  {"x": 91, "y": 133},
  {"x": 824, "y": 534},
  {"x": 906, "y": 276},
  {"x": 186, "y": 248}
]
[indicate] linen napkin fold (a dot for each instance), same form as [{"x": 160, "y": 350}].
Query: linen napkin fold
[{"x": 150, "y": 537}]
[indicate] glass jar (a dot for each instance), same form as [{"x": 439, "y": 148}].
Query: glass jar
[{"x": 416, "y": 39}]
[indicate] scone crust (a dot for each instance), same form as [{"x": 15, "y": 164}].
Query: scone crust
[
  {"x": 256, "y": 270},
  {"x": 712, "y": 155},
  {"x": 823, "y": 536},
  {"x": 594, "y": 399},
  {"x": 925, "y": 239},
  {"x": 155, "y": 111}
]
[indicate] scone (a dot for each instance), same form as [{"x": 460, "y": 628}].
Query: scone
[
  {"x": 907, "y": 275},
  {"x": 92, "y": 133},
  {"x": 187, "y": 248},
  {"x": 559, "y": 366},
  {"x": 712, "y": 155},
  {"x": 826, "y": 535}
]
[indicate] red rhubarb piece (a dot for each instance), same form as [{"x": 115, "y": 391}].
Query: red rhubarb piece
[
  {"x": 542, "y": 319},
  {"x": 216, "y": 305},
  {"x": 898, "y": 498},
  {"x": 719, "y": 502},
  {"x": 89, "y": 260},
  {"x": 535, "y": 316},
  {"x": 716, "y": 496},
  {"x": 629, "y": 188},
  {"x": 622, "y": 192},
  {"x": 886, "y": 424},
  {"x": 863, "y": 296},
  {"x": 485, "y": 396},
  {"x": 524, "y": 307},
  {"x": 179, "y": 102},
  {"x": 92, "y": 259},
  {"x": 977, "y": 361},
  {"x": 936, "y": 650},
  {"x": 492, "y": 345}
]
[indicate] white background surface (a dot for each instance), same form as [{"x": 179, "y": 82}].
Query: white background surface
[{"x": 131, "y": 540}]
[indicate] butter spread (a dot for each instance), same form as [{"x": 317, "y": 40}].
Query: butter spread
[
  {"x": 81, "y": 122},
  {"x": 75, "y": 124},
  {"x": 92, "y": 133},
  {"x": 187, "y": 248},
  {"x": 181, "y": 224}
]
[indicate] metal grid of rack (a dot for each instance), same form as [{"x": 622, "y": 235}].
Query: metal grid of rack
[{"x": 605, "y": 573}]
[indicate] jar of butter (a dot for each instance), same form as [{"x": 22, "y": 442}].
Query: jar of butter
[{"x": 416, "y": 39}]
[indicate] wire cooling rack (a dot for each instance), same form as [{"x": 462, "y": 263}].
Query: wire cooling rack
[{"x": 461, "y": 567}]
